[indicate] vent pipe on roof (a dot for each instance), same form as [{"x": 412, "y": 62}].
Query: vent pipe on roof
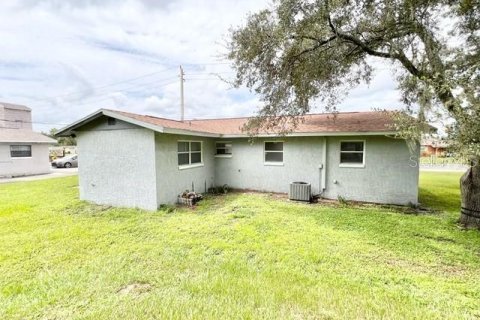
[{"x": 182, "y": 101}]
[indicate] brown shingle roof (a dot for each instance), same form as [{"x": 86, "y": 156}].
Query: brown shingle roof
[{"x": 354, "y": 122}]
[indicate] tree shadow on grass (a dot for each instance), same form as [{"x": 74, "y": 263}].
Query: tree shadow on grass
[{"x": 439, "y": 201}]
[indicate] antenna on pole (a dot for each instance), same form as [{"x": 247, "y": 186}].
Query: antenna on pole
[{"x": 182, "y": 101}]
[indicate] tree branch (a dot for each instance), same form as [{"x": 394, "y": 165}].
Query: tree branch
[
  {"x": 444, "y": 94},
  {"x": 315, "y": 47},
  {"x": 399, "y": 56}
]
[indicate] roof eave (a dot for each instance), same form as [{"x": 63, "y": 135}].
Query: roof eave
[
  {"x": 30, "y": 141},
  {"x": 69, "y": 130},
  {"x": 191, "y": 132}
]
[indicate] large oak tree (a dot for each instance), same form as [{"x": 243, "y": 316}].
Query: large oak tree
[{"x": 299, "y": 52}]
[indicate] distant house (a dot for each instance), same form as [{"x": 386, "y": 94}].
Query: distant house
[
  {"x": 433, "y": 147},
  {"x": 22, "y": 151},
  {"x": 133, "y": 160}
]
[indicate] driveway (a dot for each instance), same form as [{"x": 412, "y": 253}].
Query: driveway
[{"x": 54, "y": 173}]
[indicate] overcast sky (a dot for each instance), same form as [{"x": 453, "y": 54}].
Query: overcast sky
[{"x": 68, "y": 58}]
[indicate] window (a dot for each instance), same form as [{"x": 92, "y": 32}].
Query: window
[
  {"x": 352, "y": 153},
  {"x": 111, "y": 121},
  {"x": 189, "y": 153},
  {"x": 273, "y": 152},
  {"x": 20, "y": 151},
  {"x": 224, "y": 149}
]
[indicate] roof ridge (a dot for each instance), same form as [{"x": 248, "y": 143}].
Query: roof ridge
[
  {"x": 146, "y": 115},
  {"x": 353, "y": 121},
  {"x": 308, "y": 114},
  {"x": 237, "y": 118}
]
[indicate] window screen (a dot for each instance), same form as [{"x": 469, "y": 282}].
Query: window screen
[
  {"x": 223, "y": 148},
  {"x": 19, "y": 151},
  {"x": 274, "y": 152},
  {"x": 352, "y": 152},
  {"x": 189, "y": 152}
]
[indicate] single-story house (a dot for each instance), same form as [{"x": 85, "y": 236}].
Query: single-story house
[
  {"x": 22, "y": 151},
  {"x": 433, "y": 147},
  {"x": 133, "y": 160}
]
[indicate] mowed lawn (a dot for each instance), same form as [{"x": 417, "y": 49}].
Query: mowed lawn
[{"x": 240, "y": 256}]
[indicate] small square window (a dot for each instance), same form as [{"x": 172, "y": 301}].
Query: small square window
[
  {"x": 352, "y": 153},
  {"x": 223, "y": 148},
  {"x": 111, "y": 121},
  {"x": 273, "y": 152},
  {"x": 189, "y": 152}
]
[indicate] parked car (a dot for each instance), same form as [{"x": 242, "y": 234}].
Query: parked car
[{"x": 66, "y": 162}]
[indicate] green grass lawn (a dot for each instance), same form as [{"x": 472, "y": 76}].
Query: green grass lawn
[{"x": 240, "y": 256}]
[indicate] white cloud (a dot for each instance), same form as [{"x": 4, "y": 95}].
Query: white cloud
[{"x": 53, "y": 48}]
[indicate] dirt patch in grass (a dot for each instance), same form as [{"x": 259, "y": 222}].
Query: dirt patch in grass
[
  {"x": 434, "y": 269},
  {"x": 135, "y": 288},
  {"x": 370, "y": 205},
  {"x": 86, "y": 208},
  {"x": 439, "y": 238}
]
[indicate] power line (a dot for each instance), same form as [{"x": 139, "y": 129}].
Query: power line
[
  {"x": 127, "y": 80},
  {"x": 209, "y": 73},
  {"x": 102, "y": 98},
  {"x": 110, "y": 97},
  {"x": 109, "y": 85},
  {"x": 205, "y": 63},
  {"x": 123, "y": 89},
  {"x": 84, "y": 103},
  {"x": 203, "y": 79}
]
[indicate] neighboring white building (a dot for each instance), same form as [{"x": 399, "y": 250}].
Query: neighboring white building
[
  {"x": 133, "y": 160},
  {"x": 22, "y": 151}
]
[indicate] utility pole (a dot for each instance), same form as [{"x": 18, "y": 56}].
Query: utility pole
[{"x": 182, "y": 101}]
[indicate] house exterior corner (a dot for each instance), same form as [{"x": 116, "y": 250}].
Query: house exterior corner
[{"x": 117, "y": 165}]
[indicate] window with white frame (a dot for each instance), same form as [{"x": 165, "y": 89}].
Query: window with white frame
[
  {"x": 20, "y": 151},
  {"x": 273, "y": 152},
  {"x": 223, "y": 149},
  {"x": 189, "y": 153},
  {"x": 352, "y": 153}
]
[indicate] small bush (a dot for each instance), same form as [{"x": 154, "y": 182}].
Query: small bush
[
  {"x": 219, "y": 189},
  {"x": 167, "y": 208},
  {"x": 342, "y": 201}
]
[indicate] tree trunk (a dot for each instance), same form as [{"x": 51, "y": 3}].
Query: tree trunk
[{"x": 470, "y": 189}]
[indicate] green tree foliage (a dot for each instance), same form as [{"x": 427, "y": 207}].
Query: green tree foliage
[
  {"x": 62, "y": 141},
  {"x": 302, "y": 52}
]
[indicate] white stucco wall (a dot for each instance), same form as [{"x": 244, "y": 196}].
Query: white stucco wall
[
  {"x": 117, "y": 165},
  {"x": 171, "y": 180},
  {"x": 390, "y": 174},
  {"x": 38, "y": 163},
  {"x": 246, "y": 169}
]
